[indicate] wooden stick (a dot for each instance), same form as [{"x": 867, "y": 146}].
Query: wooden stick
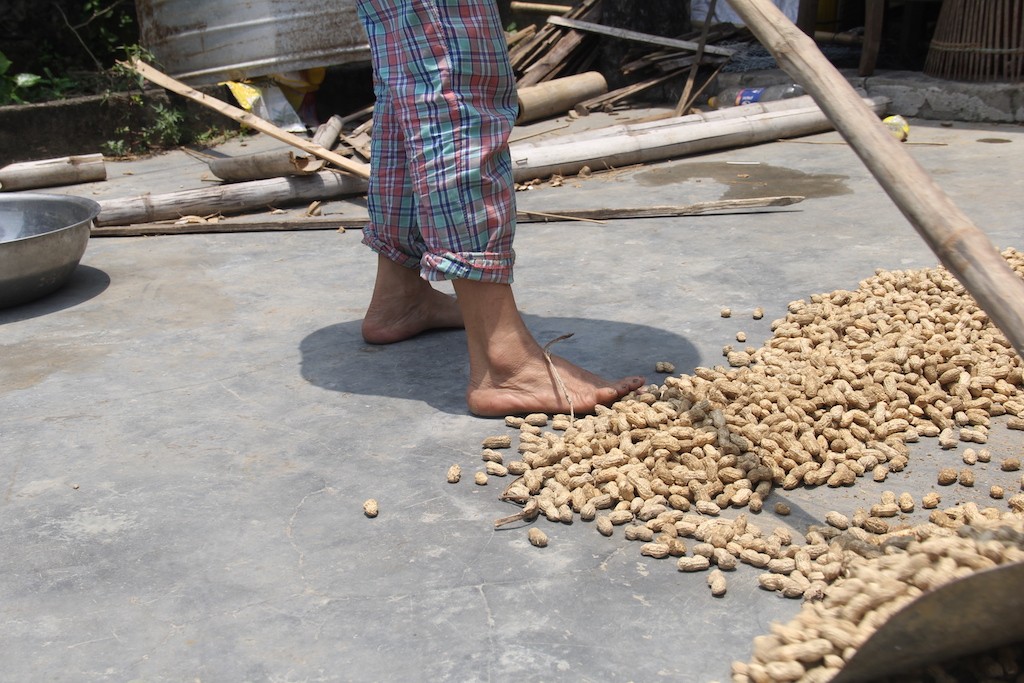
[
  {"x": 230, "y": 198},
  {"x": 684, "y": 99},
  {"x": 164, "y": 81},
  {"x": 539, "y": 7},
  {"x": 27, "y": 175},
  {"x": 963, "y": 248},
  {"x": 636, "y": 36},
  {"x": 609, "y": 99}
]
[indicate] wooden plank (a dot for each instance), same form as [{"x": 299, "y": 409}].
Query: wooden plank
[
  {"x": 963, "y": 248},
  {"x": 636, "y": 36},
  {"x": 164, "y": 81}
]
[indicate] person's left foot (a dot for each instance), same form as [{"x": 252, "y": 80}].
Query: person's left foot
[{"x": 393, "y": 316}]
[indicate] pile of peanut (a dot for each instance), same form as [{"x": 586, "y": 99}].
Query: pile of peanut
[
  {"x": 879, "y": 576},
  {"x": 844, "y": 383},
  {"x": 837, "y": 392}
]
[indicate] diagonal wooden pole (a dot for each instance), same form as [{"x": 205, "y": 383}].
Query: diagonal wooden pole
[
  {"x": 963, "y": 248},
  {"x": 157, "y": 77}
]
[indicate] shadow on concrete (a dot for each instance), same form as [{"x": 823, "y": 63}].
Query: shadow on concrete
[
  {"x": 85, "y": 283},
  {"x": 434, "y": 367}
]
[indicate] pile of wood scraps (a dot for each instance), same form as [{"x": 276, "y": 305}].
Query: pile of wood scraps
[{"x": 552, "y": 64}]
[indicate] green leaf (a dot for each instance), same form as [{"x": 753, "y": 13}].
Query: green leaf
[
  {"x": 27, "y": 80},
  {"x": 5, "y": 64}
]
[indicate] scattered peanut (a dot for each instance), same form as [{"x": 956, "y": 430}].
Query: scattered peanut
[
  {"x": 1010, "y": 465},
  {"x": 966, "y": 477},
  {"x": 480, "y": 478},
  {"x": 537, "y": 537},
  {"x": 758, "y": 313},
  {"x": 499, "y": 441},
  {"x": 947, "y": 476},
  {"x": 370, "y": 508},
  {"x": 717, "y": 583},
  {"x": 726, "y": 312},
  {"x": 454, "y": 474},
  {"x": 664, "y": 367}
]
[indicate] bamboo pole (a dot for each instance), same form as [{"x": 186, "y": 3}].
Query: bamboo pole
[
  {"x": 542, "y": 159},
  {"x": 229, "y": 198},
  {"x": 27, "y": 175},
  {"x": 963, "y": 248},
  {"x": 164, "y": 81}
]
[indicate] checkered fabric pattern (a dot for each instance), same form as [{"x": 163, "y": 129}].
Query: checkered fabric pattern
[{"x": 441, "y": 196}]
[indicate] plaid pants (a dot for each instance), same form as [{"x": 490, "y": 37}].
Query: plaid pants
[{"x": 441, "y": 196}]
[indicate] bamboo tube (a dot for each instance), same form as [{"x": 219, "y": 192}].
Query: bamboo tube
[
  {"x": 274, "y": 164},
  {"x": 558, "y": 95},
  {"x": 958, "y": 243},
  {"x": 27, "y": 175}
]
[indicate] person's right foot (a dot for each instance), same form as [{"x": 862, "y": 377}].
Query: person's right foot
[{"x": 532, "y": 387}]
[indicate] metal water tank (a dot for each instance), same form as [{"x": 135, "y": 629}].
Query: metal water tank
[{"x": 210, "y": 41}]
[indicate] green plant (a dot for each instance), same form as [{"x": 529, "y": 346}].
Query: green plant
[
  {"x": 13, "y": 87},
  {"x": 166, "y": 129}
]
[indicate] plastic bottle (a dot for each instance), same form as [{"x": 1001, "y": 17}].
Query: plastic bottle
[{"x": 736, "y": 96}]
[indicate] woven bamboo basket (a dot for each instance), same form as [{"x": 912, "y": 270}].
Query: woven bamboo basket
[{"x": 978, "y": 40}]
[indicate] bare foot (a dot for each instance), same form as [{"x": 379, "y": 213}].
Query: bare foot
[
  {"x": 532, "y": 387},
  {"x": 404, "y": 305},
  {"x": 508, "y": 371}
]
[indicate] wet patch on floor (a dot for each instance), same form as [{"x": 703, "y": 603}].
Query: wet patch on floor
[{"x": 746, "y": 180}]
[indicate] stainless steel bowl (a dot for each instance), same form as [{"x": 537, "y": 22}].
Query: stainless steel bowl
[{"x": 42, "y": 239}]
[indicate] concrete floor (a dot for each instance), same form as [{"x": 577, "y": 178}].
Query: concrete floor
[{"x": 191, "y": 426}]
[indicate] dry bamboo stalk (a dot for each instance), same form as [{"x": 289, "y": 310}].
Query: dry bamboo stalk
[
  {"x": 271, "y": 164},
  {"x": 164, "y": 81},
  {"x": 543, "y": 159},
  {"x": 958, "y": 243},
  {"x": 230, "y": 198},
  {"x": 27, "y": 175}
]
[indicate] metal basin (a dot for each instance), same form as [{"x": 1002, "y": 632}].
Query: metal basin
[{"x": 42, "y": 239}]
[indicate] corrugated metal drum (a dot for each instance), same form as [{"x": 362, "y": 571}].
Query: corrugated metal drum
[{"x": 209, "y": 41}]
